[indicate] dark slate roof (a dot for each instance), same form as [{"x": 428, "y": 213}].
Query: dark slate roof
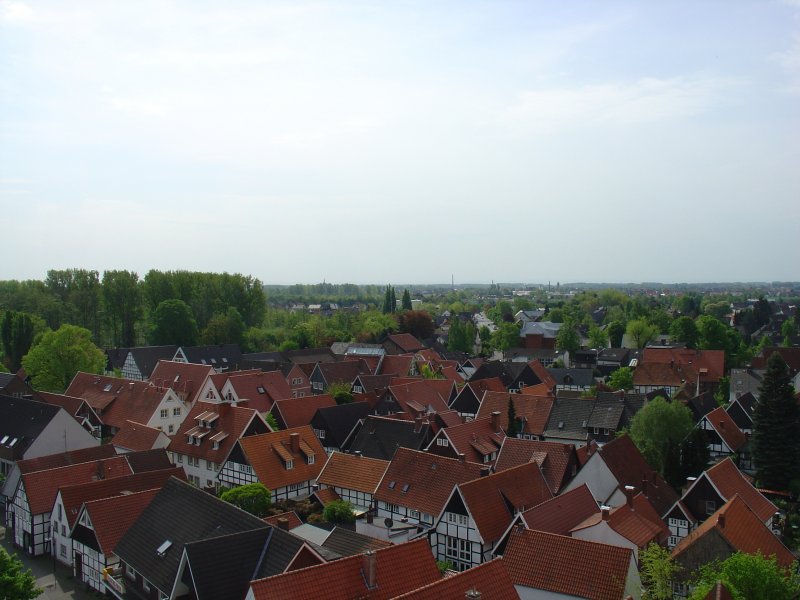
[
  {"x": 219, "y": 356},
  {"x": 632, "y": 403},
  {"x": 569, "y": 418},
  {"x": 147, "y": 357},
  {"x": 348, "y": 543},
  {"x": 379, "y": 437},
  {"x": 22, "y": 420},
  {"x": 115, "y": 357},
  {"x": 6, "y": 378},
  {"x": 310, "y": 355},
  {"x": 700, "y": 405},
  {"x": 180, "y": 513},
  {"x": 579, "y": 377},
  {"x": 339, "y": 421},
  {"x": 241, "y": 557}
]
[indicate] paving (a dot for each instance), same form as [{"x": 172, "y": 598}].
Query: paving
[{"x": 58, "y": 586}]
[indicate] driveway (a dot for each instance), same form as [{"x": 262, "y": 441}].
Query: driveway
[{"x": 62, "y": 586}]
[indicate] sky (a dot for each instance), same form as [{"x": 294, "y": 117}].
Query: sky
[{"x": 381, "y": 142}]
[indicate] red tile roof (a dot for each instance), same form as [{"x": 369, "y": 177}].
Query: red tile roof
[
  {"x": 490, "y": 384},
  {"x": 135, "y": 436},
  {"x": 344, "y": 371},
  {"x": 708, "y": 364},
  {"x": 406, "y": 342},
  {"x": 260, "y": 389},
  {"x": 568, "y": 566},
  {"x": 729, "y": 480},
  {"x": 295, "y": 412},
  {"x": 639, "y": 524},
  {"x": 543, "y": 374},
  {"x": 727, "y": 429},
  {"x": 540, "y": 389},
  {"x": 186, "y": 379},
  {"x": 112, "y": 517},
  {"x": 490, "y": 579},
  {"x": 41, "y": 487},
  {"x": 354, "y": 472},
  {"x": 326, "y": 495},
  {"x": 430, "y": 479},
  {"x": 291, "y": 517},
  {"x": 555, "y": 459},
  {"x": 396, "y": 364},
  {"x": 494, "y": 500},
  {"x": 477, "y": 440},
  {"x": 399, "y": 569},
  {"x": 71, "y": 404},
  {"x": 664, "y": 374},
  {"x": 532, "y": 410},
  {"x": 427, "y": 395},
  {"x": 267, "y": 453},
  {"x": 62, "y": 459},
  {"x": 562, "y": 513},
  {"x": 742, "y": 529},
  {"x": 719, "y": 592}
]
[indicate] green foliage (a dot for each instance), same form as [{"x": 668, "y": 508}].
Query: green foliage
[
  {"x": 272, "y": 422},
  {"x": 684, "y": 329},
  {"x": 641, "y": 332},
  {"x": 173, "y": 323},
  {"x": 16, "y": 333},
  {"x": 405, "y": 303},
  {"x": 749, "y": 577},
  {"x": 513, "y": 426},
  {"x": 506, "y": 336},
  {"x": 78, "y": 290},
  {"x": 340, "y": 392},
  {"x": 16, "y": 582},
  {"x": 461, "y": 337},
  {"x": 621, "y": 379},
  {"x": 224, "y": 329},
  {"x": 416, "y": 322},
  {"x": 598, "y": 338},
  {"x": 59, "y": 355},
  {"x": 444, "y": 566},
  {"x": 389, "y": 300},
  {"x": 615, "y": 330},
  {"x": 122, "y": 299},
  {"x": 568, "y": 338},
  {"x": 775, "y": 428},
  {"x": 254, "y": 498},
  {"x": 339, "y": 511},
  {"x": 657, "y": 571},
  {"x": 657, "y": 426}
]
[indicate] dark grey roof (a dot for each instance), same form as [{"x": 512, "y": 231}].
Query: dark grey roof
[
  {"x": 338, "y": 421},
  {"x": 6, "y": 378},
  {"x": 606, "y": 415},
  {"x": 569, "y": 418},
  {"x": 180, "y": 513},
  {"x": 614, "y": 354},
  {"x": 22, "y": 421},
  {"x": 700, "y": 405},
  {"x": 579, "y": 377},
  {"x": 148, "y": 460},
  {"x": 219, "y": 356},
  {"x": 631, "y": 403},
  {"x": 379, "y": 437},
  {"x": 349, "y": 543},
  {"x": 310, "y": 355}
]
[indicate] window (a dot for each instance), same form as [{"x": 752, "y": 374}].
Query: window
[
  {"x": 179, "y": 458},
  {"x": 63, "y": 530},
  {"x": 415, "y": 514},
  {"x": 357, "y": 389},
  {"x": 441, "y": 441},
  {"x": 164, "y": 413},
  {"x": 59, "y": 512},
  {"x": 145, "y": 585},
  {"x": 461, "y": 549},
  {"x": 320, "y": 433},
  {"x": 673, "y": 541},
  {"x": 289, "y": 465},
  {"x": 458, "y": 519},
  {"x": 63, "y": 550},
  {"x": 246, "y": 469},
  {"x": 310, "y": 459},
  {"x": 171, "y": 428},
  {"x": 130, "y": 572},
  {"x": 711, "y": 507},
  {"x": 176, "y": 412},
  {"x": 391, "y": 507}
]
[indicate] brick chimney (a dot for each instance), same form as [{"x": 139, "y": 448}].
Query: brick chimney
[
  {"x": 604, "y": 512},
  {"x": 629, "y": 495},
  {"x": 495, "y": 420},
  {"x": 462, "y": 457},
  {"x": 283, "y": 523},
  {"x": 294, "y": 442},
  {"x": 644, "y": 485},
  {"x": 369, "y": 568},
  {"x": 721, "y": 521}
]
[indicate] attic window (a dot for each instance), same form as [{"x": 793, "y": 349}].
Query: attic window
[
  {"x": 162, "y": 549},
  {"x": 213, "y": 361},
  {"x": 391, "y": 485},
  {"x": 225, "y": 360},
  {"x": 405, "y": 487},
  {"x": 261, "y": 389},
  {"x": 107, "y": 388},
  {"x": 177, "y": 377},
  {"x": 4, "y": 440},
  {"x": 561, "y": 424},
  {"x": 12, "y": 442},
  {"x": 203, "y": 360}
]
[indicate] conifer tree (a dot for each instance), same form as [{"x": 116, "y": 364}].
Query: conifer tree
[
  {"x": 775, "y": 428},
  {"x": 406, "y": 302},
  {"x": 512, "y": 430},
  {"x": 393, "y": 300}
]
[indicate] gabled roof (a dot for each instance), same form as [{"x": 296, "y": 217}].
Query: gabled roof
[
  {"x": 371, "y": 383},
  {"x": 349, "y": 543},
  {"x": 575, "y": 377},
  {"x": 310, "y": 355},
  {"x": 73, "y": 496},
  {"x": 531, "y": 411},
  {"x": 742, "y": 529},
  {"x": 433, "y": 394},
  {"x": 568, "y": 566},
  {"x": 338, "y": 421},
  {"x": 292, "y": 520},
  {"x": 180, "y": 513},
  {"x": 268, "y": 454},
  {"x": 219, "y": 356},
  {"x": 260, "y": 389},
  {"x": 490, "y": 579},
  {"x": 71, "y": 404},
  {"x": 396, "y": 364},
  {"x": 21, "y": 422},
  {"x": 629, "y": 467},
  {"x": 562, "y": 513},
  {"x": 379, "y": 437},
  {"x": 637, "y": 523},
  {"x": 473, "y": 391},
  {"x": 726, "y": 428},
  {"x": 708, "y": 364},
  {"x": 400, "y": 569},
  {"x": 354, "y": 472},
  {"x": 135, "y": 436},
  {"x": 545, "y": 375},
  {"x": 111, "y": 517},
  {"x": 406, "y": 342},
  {"x": 555, "y": 459},
  {"x": 700, "y": 405},
  {"x": 184, "y": 378},
  {"x": 665, "y": 374},
  {"x": 428, "y": 480},
  {"x": 494, "y": 500},
  {"x": 148, "y": 460},
  {"x": 147, "y": 357},
  {"x": 747, "y": 402},
  {"x": 294, "y": 412},
  {"x": 343, "y": 372},
  {"x": 41, "y": 487},
  {"x": 63, "y": 459},
  {"x": 791, "y": 357},
  {"x": 477, "y": 440},
  {"x": 569, "y": 418},
  {"x": 729, "y": 481}
]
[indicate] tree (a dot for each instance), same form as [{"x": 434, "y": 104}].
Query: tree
[
  {"x": 695, "y": 454},
  {"x": 506, "y": 336},
  {"x": 406, "y": 302},
  {"x": 393, "y": 301},
  {"x": 416, "y": 322},
  {"x": 684, "y": 329},
  {"x": 225, "y": 329},
  {"x": 712, "y": 334},
  {"x": 615, "y": 331},
  {"x": 272, "y": 422},
  {"x": 173, "y": 323},
  {"x": 775, "y": 428},
  {"x": 749, "y": 577},
  {"x": 16, "y": 582},
  {"x": 598, "y": 338},
  {"x": 122, "y": 298},
  {"x": 568, "y": 338},
  {"x": 254, "y": 498},
  {"x": 658, "y": 425},
  {"x": 16, "y": 331},
  {"x": 621, "y": 379},
  {"x": 339, "y": 511},
  {"x": 340, "y": 392},
  {"x": 53, "y": 362},
  {"x": 513, "y": 428},
  {"x": 657, "y": 571},
  {"x": 387, "y": 301},
  {"x": 641, "y": 332}
]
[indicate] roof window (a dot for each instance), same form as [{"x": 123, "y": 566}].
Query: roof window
[
  {"x": 162, "y": 549},
  {"x": 107, "y": 387},
  {"x": 391, "y": 485}
]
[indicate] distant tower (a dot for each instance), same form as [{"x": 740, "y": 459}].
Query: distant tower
[{"x": 452, "y": 282}]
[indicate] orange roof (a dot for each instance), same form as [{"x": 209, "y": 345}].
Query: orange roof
[
  {"x": 494, "y": 500},
  {"x": 566, "y": 565},
  {"x": 406, "y": 342},
  {"x": 229, "y": 425},
  {"x": 562, "y": 513},
  {"x": 727, "y": 429},
  {"x": 490, "y": 384},
  {"x": 430, "y": 480},
  {"x": 742, "y": 529},
  {"x": 326, "y": 495},
  {"x": 664, "y": 374},
  {"x": 556, "y": 460},
  {"x": 186, "y": 379},
  {"x": 543, "y": 374},
  {"x": 532, "y": 410},
  {"x": 490, "y": 579},
  {"x": 729, "y": 481},
  {"x": 353, "y": 472},
  {"x": 112, "y": 517},
  {"x": 399, "y": 569},
  {"x": 418, "y": 396},
  {"x": 41, "y": 487},
  {"x": 261, "y": 389},
  {"x": 640, "y": 524},
  {"x": 135, "y": 436},
  {"x": 709, "y": 364},
  {"x": 71, "y": 404},
  {"x": 540, "y": 389},
  {"x": 398, "y": 364},
  {"x": 291, "y": 517},
  {"x": 476, "y": 439},
  {"x": 268, "y": 453},
  {"x": 299, "y": 411}
]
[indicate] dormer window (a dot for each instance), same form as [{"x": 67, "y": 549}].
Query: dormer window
[
  {"x": 289, "y": 465},
  {"x": 310, "y": 459}
]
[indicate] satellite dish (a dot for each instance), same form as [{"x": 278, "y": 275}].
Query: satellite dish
[{"x": 389, "y": 523}]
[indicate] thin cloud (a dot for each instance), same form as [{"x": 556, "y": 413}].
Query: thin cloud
[{"x": 16, "y": 12}]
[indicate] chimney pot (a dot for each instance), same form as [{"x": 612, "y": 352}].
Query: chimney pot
[
  {"x": 629, "y": 495},
  {"x": 461, "y": 457},
  {"x": 604, "y": 511},
  {"x": 283, "y": 523},
  {"x": 370, "y": 568},
  {"x": 473, "y": 594},
  {"x": 495, "y": 419},
  {"x": 294, "y": 442}
]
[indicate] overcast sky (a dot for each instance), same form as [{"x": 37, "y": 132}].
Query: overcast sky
[{"x": 379, "y": 142}]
